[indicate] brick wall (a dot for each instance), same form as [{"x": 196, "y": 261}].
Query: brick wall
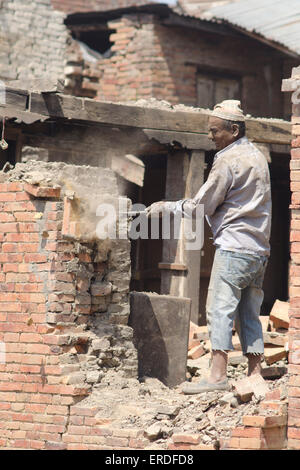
[
  {"x": 152, "y": 60},
  {"x": 33, "y": 40},
  {"x": 63, "y": 318},
  {"x": 292, "y": 85},
  {"x": 266, "y": 430}
]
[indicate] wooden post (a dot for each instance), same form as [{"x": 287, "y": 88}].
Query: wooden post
[
  {"x": 195, "y": 180},
  {"x": 180, "y": 274},
  {"x": 174, "y": 271}
]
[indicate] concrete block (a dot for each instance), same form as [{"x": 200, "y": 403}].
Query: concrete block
[{"x": 161, "y": 331}]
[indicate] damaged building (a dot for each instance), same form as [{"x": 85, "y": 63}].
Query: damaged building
[{"x": 115, "y": 108}]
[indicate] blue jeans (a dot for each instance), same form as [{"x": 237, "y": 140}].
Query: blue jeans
[{"x": 235, "y": 294}]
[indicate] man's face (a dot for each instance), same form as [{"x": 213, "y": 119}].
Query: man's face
[{"x": 220, "y": 135}]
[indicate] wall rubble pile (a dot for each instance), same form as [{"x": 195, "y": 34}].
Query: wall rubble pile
[{"x": 62, "y": 323}]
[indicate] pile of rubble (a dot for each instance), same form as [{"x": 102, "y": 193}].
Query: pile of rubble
[
  {"x": 165, "y": 414},
  {"x": 275, "y": 333}
]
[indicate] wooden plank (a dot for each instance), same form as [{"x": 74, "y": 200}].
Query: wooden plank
[
  {"x": 117, "y": 114},
  {"x": 193, "y": 122},
  {"x": 188, "y": 140},
  {"x": 39, "y": 85},
  {"x": 16, "y": 98},
  {"x": 57, "y": 106},
  {"x": 269, "y": 131},
  {"x": 194, "y": 180},
  {"x": 174, "y": 282}
]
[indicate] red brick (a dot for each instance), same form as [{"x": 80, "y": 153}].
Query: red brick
[
  {"x": 56, "y": 409},
  {"x": 251, "y": 443},
  {"x": 14, "y": 186},
  {"x": 247, "y": 432},
  {"x": 296, "y": 143},
  {"x": 42, "y": 192},
  {"x": 28, "y": 247},
  {"x": 7, "y": 197},
  {"x": 179, "y": 447},
  {"x": 49, "y": 445},
  {"x": 186, "y": 438}
]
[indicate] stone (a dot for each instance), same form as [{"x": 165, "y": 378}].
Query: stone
[
  {"x": 171, "y": 411},
  {"x": 153, "y": 432},
  {"x": 101, "y": 288},
  {"x": 227, "y": 398},
  {"x": 100, "y": 344},
  {"x": 93, "y": 376}
]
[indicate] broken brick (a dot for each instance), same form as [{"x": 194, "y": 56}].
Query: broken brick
[
  {"x": 196, "y": 352},
  {"x": 42, "y": 191},
  {"x": 280, "y": 314}
]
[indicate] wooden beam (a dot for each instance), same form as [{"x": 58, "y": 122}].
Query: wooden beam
[
  {"x": 16, "y": 98},
  {"x": 84, "y": 109},
  {"x": 190, "y": 124},
  {"x": 187, "y": 140},
  {"x": 39, "y": 85},
  {"x": 195, "y": 179}
]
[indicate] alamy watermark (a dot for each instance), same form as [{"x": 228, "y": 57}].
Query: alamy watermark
[{"x": 118, "y": 223}]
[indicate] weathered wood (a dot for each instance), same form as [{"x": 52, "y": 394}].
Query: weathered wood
[
  {"x": 180, "y": 121},
  {"x": 16, "y": 98},
  {"x": 174, "y": 282},
  {"x": 39, "y": 85},
  {"x": 187, "y": 140},
  {"x": 269, "y": 131},
  {"x": 57, "y": 106},
  {"x": 195, "y": 179},
  {"x": 10, "y": 113}
]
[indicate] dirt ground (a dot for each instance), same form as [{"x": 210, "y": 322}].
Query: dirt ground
[{"x": 161, "y": 412}]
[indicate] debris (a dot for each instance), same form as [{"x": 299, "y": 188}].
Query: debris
[
  {"x": 280, "y": 314},
  {"x": 273, "y": 354},
  {"x": 273, "y": 372},
  {"x": 196, "y": 352},
  {"x": 276, "y": 338},
  {"x": 249, "y": 386},
  {"x": 153, "y": 432}
]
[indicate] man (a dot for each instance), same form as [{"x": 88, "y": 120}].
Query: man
[{"x": 237, "y": 204}]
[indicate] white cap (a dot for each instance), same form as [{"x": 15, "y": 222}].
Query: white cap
[{"x": 229, "y": 110}]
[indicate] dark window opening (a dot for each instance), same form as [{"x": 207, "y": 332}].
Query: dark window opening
[
  {"x": 147, "y": 254},
  {"x": 97, "y": 40}
]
